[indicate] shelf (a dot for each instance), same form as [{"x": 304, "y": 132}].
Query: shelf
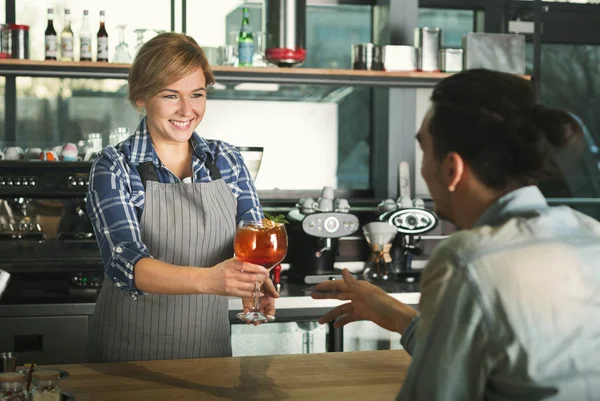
[{"x": 225, "y": 75}]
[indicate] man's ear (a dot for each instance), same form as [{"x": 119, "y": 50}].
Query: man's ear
[{"x": 453, "y": 169}]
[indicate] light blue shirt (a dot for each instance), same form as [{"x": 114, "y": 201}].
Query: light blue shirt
[{"x": 510, "y": 310}]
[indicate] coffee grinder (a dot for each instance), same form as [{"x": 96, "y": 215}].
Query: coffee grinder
[{"x": 313, "y": 234}]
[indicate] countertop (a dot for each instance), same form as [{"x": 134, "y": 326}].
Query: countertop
[
  {"x": 295, "y": 303},
  {"x": 368, "y": 375}
]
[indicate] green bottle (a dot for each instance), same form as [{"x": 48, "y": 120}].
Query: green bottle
[{"x": 245, "y": 41}]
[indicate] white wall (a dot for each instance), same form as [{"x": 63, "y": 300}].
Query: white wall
[
  {"x": 423, "y": 104},
  {"x": 300, "y": 139}
]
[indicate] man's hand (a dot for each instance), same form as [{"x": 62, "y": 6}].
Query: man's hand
[
  {"x": 267, "y": 299},
  {"x": 368, "y": 302}
]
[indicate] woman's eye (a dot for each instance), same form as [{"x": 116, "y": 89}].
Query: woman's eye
[{"x": 170, "y": 97}]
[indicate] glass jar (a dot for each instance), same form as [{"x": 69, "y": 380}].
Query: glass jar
[
  {"x": 12, "y": 387},
  {"x": 45, "y": 385}
]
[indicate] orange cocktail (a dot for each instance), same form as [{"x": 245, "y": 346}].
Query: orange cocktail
[{"x": 262, "y": 243}]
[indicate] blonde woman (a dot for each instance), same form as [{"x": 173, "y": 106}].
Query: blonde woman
[{"x": 164, "y": 205}]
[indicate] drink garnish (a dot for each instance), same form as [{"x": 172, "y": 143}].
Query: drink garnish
[{"x": 271, "y": 221}]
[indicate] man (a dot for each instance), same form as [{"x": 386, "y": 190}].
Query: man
[{"x": 510, "y": 305}]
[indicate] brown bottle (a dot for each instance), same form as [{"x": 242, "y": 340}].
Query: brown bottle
[
  {"x": 102, "y": 37},
  {"x": 50, "y": 37}
]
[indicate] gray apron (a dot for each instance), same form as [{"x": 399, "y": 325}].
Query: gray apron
[{"x": 183, "y": 224}]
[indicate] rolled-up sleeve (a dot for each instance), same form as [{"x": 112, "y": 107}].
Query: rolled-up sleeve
[
  {"x": 450, "y": 342},
  {"x": 408, "y": 339},
  {"x": 114, "y": 219}
]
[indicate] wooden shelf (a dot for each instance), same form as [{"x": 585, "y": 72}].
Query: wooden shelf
[{"x": 225, "y": 75}]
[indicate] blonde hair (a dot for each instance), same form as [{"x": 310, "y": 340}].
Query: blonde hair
[{"x": 162, "y": 60}]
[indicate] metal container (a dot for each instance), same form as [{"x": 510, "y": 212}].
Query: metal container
[
  {"x": 4, "y": 48},
  {"x": 400, "y": 58},
  {"x": 367, "y": 56},
  {"x": 19, "y": 41},
  {"x": 428, "y": 41},
  {"x": 496, "y": 51},
  {"x": 4, "y": 278},
  {"x": 286, "y": 32},
  {"x": 451, "y": 60}
]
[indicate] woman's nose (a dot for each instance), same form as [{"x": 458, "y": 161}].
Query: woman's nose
[{"x": 185, "y": 108}]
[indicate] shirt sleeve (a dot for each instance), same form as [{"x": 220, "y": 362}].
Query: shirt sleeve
[
  {"x": 248, "y": 207},
  {"x": 449, "y": 360},
  {"x": 408, "y": 339},
  {"x": 115, "y": 220}
]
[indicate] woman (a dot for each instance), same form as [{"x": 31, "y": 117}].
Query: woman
[{"x": 164, "y": 205}]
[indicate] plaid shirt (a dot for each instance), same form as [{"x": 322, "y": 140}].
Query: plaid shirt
[{"x": 116, "y": 196}]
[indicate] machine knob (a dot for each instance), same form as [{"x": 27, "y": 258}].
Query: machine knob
[{"x": 331, "y": 224}]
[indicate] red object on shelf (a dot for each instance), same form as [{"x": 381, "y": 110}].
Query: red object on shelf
[{"x": 286, "y": 56}]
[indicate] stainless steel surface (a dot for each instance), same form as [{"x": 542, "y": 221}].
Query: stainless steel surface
[
  {"x": 45, "y": 339},
  {"x": 286, "y": 28},
  {"x": 9, "y": 361},
  {"x": 233, "y": 75},
  {"x": 400, "y": 58},
  {"x": 451, "y": 60},
  {"x": 500, "y": 52},
  {"x": 428, "y": 41},
  {"x": 367, "y": 56}
]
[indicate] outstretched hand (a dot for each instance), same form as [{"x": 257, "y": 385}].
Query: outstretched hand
[{"x": 367, "y": 302}]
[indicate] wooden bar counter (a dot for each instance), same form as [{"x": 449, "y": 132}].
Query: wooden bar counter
[{"x": 368, "y": 375}]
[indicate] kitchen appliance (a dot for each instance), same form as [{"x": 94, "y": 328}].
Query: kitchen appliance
[
  {"x": 379, "y": 236},
  {"x": 313, "y": 233},
  {"x": 252, "y": 156},
  {"x": 286, "y": 32},
  {"x": 411, "y": 220},
  {"x": 428, "y": 41},
  {"x": 49, "y": 249}
]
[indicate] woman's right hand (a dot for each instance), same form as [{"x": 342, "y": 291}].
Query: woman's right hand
[{"x": 235, "y": 278}]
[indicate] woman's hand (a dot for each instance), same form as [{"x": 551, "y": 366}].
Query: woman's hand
[
  {"x": 267, "y": 300},
  {"x": 235, "y": 278},
  {"x": 368, "y": 302}
]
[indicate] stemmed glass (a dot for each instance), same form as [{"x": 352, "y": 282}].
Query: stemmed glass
[
  {"x": 262, "y": 243},
  {"x": 139, "y": 40},
  {"x": 122, "y": 50}
]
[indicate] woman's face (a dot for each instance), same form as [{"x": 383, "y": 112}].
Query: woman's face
[{"x": 174, "y": 113}]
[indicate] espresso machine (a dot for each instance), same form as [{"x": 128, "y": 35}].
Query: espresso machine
[
  {"x": 314, "y": 231},
  {"x": 411, "y": 220},
  {"x": 51, "y": 255}
]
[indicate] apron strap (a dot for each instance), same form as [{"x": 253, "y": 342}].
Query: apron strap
[
  {"x": 215, "y": 174},
  {"x": 149, "y": 172}
]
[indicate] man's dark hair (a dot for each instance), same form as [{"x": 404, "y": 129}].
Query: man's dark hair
[{"x": 492, "y": 120}]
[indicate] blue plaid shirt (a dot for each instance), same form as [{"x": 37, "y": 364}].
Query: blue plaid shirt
[{"x": 116, "y": 196}]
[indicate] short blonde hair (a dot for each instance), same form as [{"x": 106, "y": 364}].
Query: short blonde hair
[{"x": 162, "y": 60}]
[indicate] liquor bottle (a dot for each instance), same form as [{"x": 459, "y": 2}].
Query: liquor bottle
[
  {"x": 245, "y": 41},
  {"x": 50, "y": 37},
  {"x": 66, "y": 39},
  {"x": 102, "y": 40},
  {"x": 85, "y": 39}
]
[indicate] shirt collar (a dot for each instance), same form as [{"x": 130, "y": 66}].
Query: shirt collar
[
  {"x": 142, "y": 150},
  {"x": 525, "y": 201}
]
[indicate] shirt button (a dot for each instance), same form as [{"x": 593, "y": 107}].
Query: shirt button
[{"x": 118, "y": 249}]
